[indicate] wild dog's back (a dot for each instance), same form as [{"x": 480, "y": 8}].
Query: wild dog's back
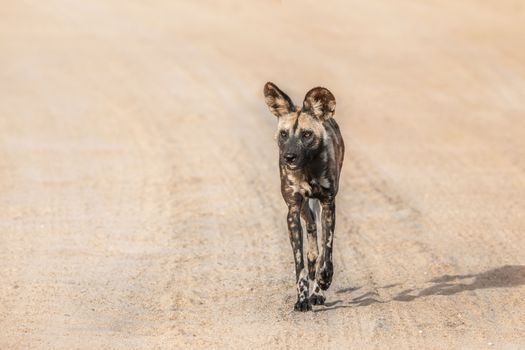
[{"x": 335, "y": 148}]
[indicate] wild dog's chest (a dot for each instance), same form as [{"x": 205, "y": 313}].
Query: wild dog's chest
[{"x": 298, "y": 182}]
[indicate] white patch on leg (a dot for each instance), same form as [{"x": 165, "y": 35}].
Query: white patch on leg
[
  {"x": 297, "y": 258},
  {"x": 314, "y": 288},
  {"x": 329, "y": 243},
  {"x": 302, "y": 285}
]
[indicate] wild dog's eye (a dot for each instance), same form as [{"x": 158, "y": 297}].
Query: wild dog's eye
[
  {"x": 284, "y": 134},
  {"x": 307, "y": 134}
]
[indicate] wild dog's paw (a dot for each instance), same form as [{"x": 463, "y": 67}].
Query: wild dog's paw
[
  {"x": 324, "y": 275},
  {"x": 317, "y": 299},
  {"x": 303, "y": 305}
]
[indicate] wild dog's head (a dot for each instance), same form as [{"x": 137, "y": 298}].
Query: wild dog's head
[{"x": 300, "y": 132}]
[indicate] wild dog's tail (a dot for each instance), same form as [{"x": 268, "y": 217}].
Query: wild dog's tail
[{"x": 316, "y": 208}]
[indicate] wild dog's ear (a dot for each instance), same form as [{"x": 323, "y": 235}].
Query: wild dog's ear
[
  {"x": 278, "y": 102},
  {"x": 320, "y": 103}
]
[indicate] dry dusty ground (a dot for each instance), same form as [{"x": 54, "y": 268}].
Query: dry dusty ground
[{"x": 139, "y": 195}]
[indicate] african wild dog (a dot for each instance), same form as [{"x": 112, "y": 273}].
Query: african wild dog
[{"x": 311, "y": 152}]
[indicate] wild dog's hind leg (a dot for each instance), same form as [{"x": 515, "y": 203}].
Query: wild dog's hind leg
[
  {"x": 308, "y": 215},
  {"x": 296, "y": 239},
  {"x": 325, "y": 267}
]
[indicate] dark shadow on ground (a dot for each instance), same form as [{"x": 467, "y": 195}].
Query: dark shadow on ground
[
  {"x": 507, "y": 276},
  {"x": 503, "y": 277}
]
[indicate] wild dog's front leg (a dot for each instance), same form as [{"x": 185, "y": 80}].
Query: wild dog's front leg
[
  {"x": 325, "y": 267},
  {"x": 296, "y": 239},
  {"x": 316, "y": 294}
]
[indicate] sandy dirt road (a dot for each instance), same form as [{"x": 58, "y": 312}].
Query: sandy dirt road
[{"x": 139, "y": 194}]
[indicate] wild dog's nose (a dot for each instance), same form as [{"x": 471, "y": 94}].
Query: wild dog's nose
[{"x": 290, "y": 157}]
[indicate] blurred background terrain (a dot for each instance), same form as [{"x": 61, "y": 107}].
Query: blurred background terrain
[{"x": 139, "y": 190}]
